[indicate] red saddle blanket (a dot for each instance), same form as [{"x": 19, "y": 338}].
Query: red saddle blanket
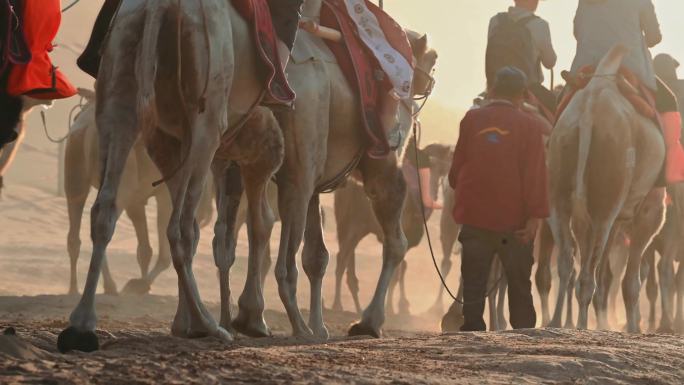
[
  {"x": 258, "y": 14},
  {"x": 361, "y": 68},
  {"x": 640, "y": 96}
]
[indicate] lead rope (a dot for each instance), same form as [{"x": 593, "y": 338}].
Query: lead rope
[{"x": 429, "y": 240}]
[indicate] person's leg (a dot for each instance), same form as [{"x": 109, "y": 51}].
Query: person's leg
[
  {"x": 671, "y": 119},
  {"x": 476, "y": 261},
  {"x": 546, "y": 97},
  {"x": 517, "y": 260},
  {"x": 89, "y": 61},
  {"x": 286, "y": 15}
]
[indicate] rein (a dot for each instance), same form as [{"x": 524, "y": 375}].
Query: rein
[{"x": 72, "y": 118}]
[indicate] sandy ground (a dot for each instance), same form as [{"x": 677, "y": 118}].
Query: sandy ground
[{"x": 137, "y": 348}]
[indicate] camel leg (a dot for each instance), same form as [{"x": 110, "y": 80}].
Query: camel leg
[
  {"x": 164, "y": 207},
  {"x": 448, "y": 238},
  {"x": 315, "y": 259},
  {"x": 353, "y": 282},
  {"x": 256, "y": 174},
  {"x": 404, "y": 304},
  {"x": 648, "y": 221},
  {"x": 648, "y": 270},
  {"x": 293, "y": 204},
  {"x": 386, "y": 188},
  {"x": 186, "y": 188},
  {"x": 136, "y": 213},
  {"x": 76, "y": 188},
  {"x": 605, "y": 280},
  {"x": 679, "y": 318},
  {"x": 500, "y": 302},
  {"x": 228, "y": 184},
  {"x": 570, "y": 295},
  {"x": 494, "y": 274},
  {"x": 346, "y": 259},
  {"x": 560, "y": 227},
  {"x": 389, "y": 305},
  {"x": 666, "y": 279},
  {"x": 118, "y": 132},
  {"x": 543, "y": 274},
  {"x": 592, "y": 257}
]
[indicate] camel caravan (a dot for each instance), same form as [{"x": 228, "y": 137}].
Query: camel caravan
[{"x": 214, "y": 101}]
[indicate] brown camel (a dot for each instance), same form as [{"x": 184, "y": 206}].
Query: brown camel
[
  {"x": 323, "y": 141},
  {"x": 182, "y": 74},
  {"x": 604, "y": 162},
  {"x": 355, "y": 220},
  {"x": 82, "y": 173}
]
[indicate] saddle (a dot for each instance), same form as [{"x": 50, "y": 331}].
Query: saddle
[
  {"x": 258, "y": 14},
  {"x": 640, "y": 96},
  {"x": 361, "y": 69}
]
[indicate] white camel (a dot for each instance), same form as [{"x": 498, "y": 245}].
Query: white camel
[
  {"x": 604, "y": 162},
  {"x": 182, "y": 74}
]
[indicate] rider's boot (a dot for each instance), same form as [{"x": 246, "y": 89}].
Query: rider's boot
[{"x": 89, "y": 61}]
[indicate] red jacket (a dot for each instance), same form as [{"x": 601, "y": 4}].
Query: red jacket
[
  {"x": 39, "y": 78},
  {"x": 499, "y": 169}
]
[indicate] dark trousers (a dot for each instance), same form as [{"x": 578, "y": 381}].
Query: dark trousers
[{"x": 479, "y": 249}]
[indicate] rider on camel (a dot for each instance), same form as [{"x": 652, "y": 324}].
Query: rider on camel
[
  {"x": 521, "y": 39},
  {"x": 285, "y": 14},
  {"x": 600, "y": 25},
  {"x": 26, "y": 70}
]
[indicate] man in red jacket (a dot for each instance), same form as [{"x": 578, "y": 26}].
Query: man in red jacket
[{"x": 500, "y": 182}]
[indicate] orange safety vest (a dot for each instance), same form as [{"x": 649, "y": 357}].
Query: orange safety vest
[{"x": 39, "y": 78}]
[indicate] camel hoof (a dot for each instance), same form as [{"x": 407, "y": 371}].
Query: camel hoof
[
  {"x": 111, "y": 290},
  {"x": 72, "y": 339},
  {"x": 665, "y": 329},
  {"x": 452, "y": 322},
  {"x": 224, "y": 335},
  {"x": 568, "y": 325},
  {"x": 321, "y": 333},
  {"x": 337, "y": 307},
  {"x": 359, "y": 329},
  {"x": 136, "y": 286},
  {"x": 257, "y": 329}
]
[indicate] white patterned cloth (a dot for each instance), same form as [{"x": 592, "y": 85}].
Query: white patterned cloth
[{"x": 393, "y": 63}]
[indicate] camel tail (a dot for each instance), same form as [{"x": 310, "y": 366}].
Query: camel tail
[
  {"x": 605, "y": 72},
  {"x": 146, "y": 67}
]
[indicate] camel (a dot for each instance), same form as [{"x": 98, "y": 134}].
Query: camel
[
  {"x": 323, "y": 142},
  {"x": 182, "y": 74},
  {"x": 353, "y": 214},
  {"x": 81, "y": 173},
  {"x": 604, "y": 162},
  {"x": 9, "y": 151}
]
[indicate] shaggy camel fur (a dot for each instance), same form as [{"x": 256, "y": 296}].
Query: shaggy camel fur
[
  {"x": 604, "y": 162},
  {"x": 82, "y": 173},
  {"x": 183, "y": 74},
  {"x": 355, "y": 220}
]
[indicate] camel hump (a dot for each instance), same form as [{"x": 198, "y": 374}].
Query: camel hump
[{"x": 610, "y": 64}]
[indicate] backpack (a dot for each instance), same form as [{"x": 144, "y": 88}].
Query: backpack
[{"x": 510, "y": 45}]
